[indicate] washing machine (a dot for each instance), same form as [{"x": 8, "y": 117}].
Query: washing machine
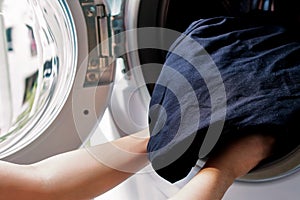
[{"x": 80, "y": 72}]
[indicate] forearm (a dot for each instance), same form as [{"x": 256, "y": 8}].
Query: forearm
[
  {"x": 20, "y": 182},
  {"x": 77, "y": 175},
  {"x": 209, "y": 184},
  {"x": 86, "y": 173}
]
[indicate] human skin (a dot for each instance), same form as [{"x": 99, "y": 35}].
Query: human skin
[
  {"x": 76, "y": 175},
  {"x": 89, "y": 172},
  {"x": 233, "y": 161}
]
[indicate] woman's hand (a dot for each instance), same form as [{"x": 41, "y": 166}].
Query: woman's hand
[{"x": 235, "y": 160}]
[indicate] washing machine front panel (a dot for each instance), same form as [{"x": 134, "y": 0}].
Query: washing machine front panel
[
  {"x": 284, "y": 188},
  {"x": 71, "y": 46}
]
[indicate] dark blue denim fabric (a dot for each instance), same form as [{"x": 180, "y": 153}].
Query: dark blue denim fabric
[{"x": 259, "y": 62}]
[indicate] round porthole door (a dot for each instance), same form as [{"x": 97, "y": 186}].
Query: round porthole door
[{"x": 55, "y": 84}]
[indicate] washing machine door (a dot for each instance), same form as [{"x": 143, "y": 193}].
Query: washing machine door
[{"x": 57, "y": 73}]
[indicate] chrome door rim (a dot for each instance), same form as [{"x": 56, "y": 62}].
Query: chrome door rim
[{"x": 51, "y": 21}]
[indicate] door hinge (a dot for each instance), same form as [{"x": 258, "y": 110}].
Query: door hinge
[{"x": 101, "y": 58}]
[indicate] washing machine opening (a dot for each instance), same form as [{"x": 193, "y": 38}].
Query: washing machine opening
[
  {"x": 176, "y": 15},
  {"x": 38, "y": 66}
]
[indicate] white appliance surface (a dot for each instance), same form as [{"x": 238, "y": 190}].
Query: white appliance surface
[{"x": 145, "y": 185}]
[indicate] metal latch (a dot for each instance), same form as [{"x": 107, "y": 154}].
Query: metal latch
[{"x": 101, "y": 65}]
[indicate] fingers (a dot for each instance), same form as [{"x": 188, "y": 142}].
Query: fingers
[{"x": 238, "y": 157}]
